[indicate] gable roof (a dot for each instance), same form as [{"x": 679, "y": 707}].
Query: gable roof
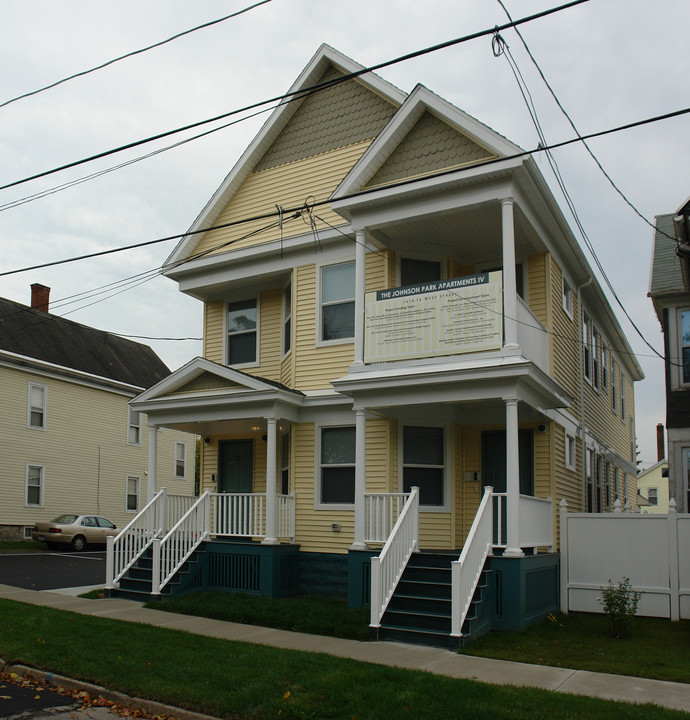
[
  {"x": 66, "y": 344},
  {"x": 666, "y": 275},
  {"x": 316, "y": 71}
]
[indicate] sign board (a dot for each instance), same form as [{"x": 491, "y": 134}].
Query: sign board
[{"x": 446, "y": 317}]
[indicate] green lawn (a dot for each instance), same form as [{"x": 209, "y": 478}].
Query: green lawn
[
  {"x": 22, "y": 546},
  {"x": 242, "y": 681}
]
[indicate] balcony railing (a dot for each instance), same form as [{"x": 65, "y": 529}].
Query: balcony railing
[{"x": 532, "y": 336}]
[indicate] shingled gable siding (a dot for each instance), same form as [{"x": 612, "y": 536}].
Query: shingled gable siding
[{"x": 431, "y": 145}]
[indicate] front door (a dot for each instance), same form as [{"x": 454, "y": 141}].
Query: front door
[
  {"x": 494, "y": 469},
  {"x": 235, "y": 475}
]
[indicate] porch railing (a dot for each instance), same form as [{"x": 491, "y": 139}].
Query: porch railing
[
  {"x": 466, "y": 571},
  {"x": 536, "y": 521},
  {"x": 171, "y": 552},
  {"x": 532, "y": 336},
  {"x": 381, "y": 511},
  {"x": 388, "y": 567}
]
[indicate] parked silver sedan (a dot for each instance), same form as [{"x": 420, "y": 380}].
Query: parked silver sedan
[{"x": 75, "y": 531}]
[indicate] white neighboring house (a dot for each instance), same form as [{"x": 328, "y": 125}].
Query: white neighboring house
[
  {"x": 69, "y": 441},
  {"x": 652, "y": 485}
]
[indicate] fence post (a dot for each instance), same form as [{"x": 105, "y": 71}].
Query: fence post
[
  {"x": 563, "y": 544},
  {"x": 673, "y": 560}
]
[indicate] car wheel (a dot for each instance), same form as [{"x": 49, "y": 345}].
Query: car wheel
[{"x": 79, "y": 543}]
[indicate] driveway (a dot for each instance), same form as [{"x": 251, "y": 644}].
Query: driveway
[{"x": 51, "y": 570}]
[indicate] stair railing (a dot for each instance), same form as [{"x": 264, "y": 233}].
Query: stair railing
[
  {"x": 172, "y": 551},
  {"x": 388, "y": 567},
  {"x": 466, "y": 571}
]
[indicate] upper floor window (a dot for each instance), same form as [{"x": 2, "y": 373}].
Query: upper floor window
[
  {"x": 287, "y": 318},
  {"x": 424, "y": 463},
  {"x": 605, "y": 360},
  {"x": 622, "y": 386},
  {"x": 416, "y": 272},
  {"x": 34, "y": 485},
  {"x": 180, "y": 460},
  {"x": 134, "y": 427},
  {"x": 570, "y": 451},
  {"x": 337, "y": 461},
  {"x": 338, "y": 301},
  {"x": 587, "y": 345},
  {"x": 614, "y": 386},
  {"x": 567, "y": 298},
  {"x": 596, "y": 347},
  {"x": 242, "y": 332},
  {"x": 37, "y": 406},
  {"x": 684, "y": 345}
]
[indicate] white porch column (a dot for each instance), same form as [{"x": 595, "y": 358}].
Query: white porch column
[
  {"x": 271, "y": 469},
  {"x": 153, "y": 455},
  {"x": 360, "y": 478},
  {"x": 510, "y": 309},
  {"x": 360, "y": 287},
  {"x": 512, "y": 480}
]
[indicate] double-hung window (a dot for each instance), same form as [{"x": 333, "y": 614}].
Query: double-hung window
[
  {"x": 287, "y": 318},
  {"x": 337, "y": 465},
  {"x": 34, "y": 485},
  {"x": 587, "y": 345},
  {"x": 567, "y": 298},
  {"x": 614, "y": 386},
  {"x": 596, "y": 345},
  {"x": 133, "y": 427},
  {"x": 180, "y": 460},
  {"x": 242, "y": 332},
  {"x": 653, "y": 496},
  {"x": 132, "y": 492},
  {"x": 424, "y": 463},
  {"x": 37, "y": 406},
  {"x": 338, "y": 301}
]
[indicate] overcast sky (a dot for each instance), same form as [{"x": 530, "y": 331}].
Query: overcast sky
[{"x": 610, "y": 62}]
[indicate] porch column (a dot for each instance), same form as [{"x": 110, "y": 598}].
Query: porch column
[
  {"x": 360, "y": 287},
  {"x": 360, "y": 479},
  {"x": 510, "y": 309},
  {"x": 513, "y": 548},
  {"x": 271, "y": 468},
  {"x": 153, "y": 454}
]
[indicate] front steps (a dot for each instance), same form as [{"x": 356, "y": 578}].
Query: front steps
[{"x": 420, "y": 610}]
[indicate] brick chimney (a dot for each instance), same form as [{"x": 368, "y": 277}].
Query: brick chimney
[
  {"x": 40, "y": 297},
  {"x": 660, "y": 444}
]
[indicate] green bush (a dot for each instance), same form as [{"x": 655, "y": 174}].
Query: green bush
[{"x": 620, "y": 604}]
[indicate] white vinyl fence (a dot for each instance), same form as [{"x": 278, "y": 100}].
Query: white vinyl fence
[{"x": 652, "y": 550}]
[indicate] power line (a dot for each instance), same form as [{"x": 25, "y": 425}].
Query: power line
[
  {"x": 361, "y": 193},
  {"x": 298, "y": 93},
  {"x": 132, "y": 54}
]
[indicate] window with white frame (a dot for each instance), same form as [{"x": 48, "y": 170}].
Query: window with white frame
[
  {"x": 423, "y": 463},
  {"x": 605, "y": 361},
  {"x": 180, "y": 460},
  {"x": 567, "y": 298},
  {"x": 569, "y": 451},
  {"x": 242, "y": 335},
  {"x": 35, "y": 477},
  {"x": 653, "y": 496},
  {"x": 37, "y": 406},
  {"x": 337, "y": 301},
  {"x": 596, "y": 349},
  {"x": 684, "y": 344},
  {"x": 132, "y": 493},
  {"x": 287, "y": 318},
  {"x": 133, "y": 427},
  {"x": 587, "y": 346},
  {"x": 337, "y": 465},
  {"x": 614, "y": 386}
]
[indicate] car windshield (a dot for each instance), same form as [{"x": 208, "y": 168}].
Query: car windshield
[{"x": 65, "y": 519}]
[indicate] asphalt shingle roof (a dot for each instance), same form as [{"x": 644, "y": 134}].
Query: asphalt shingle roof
[{"x": 666, "y": 276}]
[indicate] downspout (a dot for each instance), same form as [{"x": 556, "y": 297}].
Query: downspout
[{"x": 583, "y": 448}]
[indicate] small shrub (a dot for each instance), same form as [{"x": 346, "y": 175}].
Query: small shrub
[{"x": 620, "y": 604}]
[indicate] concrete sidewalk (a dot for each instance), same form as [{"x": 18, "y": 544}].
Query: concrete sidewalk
[{"x": 435, "y": 660}]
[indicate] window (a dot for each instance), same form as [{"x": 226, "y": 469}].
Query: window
[
  {"x": 134, "y": 427},
  {"x": 416, "y": 272},
  {"x": 37, "y": 406},
  {"x": 589, "y": 490},
  {"x": 685, "y": 475},
  {"x": 287, "y": 318},
  {"x": 34, "y": 485},
  {"x": 242, "y": 332},
  {"x": 338, "y": 301},
  {"x": 608, "y": 495},
  {"x": 653, "y": 496},
  {"x": 132, "y": 493},
  {"x": 684, "y": 345},
  {"x": 596, "y": 345},
  {"x": 285, "y": 464},
  {"x": 616, "y": 493},
  {"x": 614, "y": 386},
  {"x": 423, "y": 463},
  {"x": 337, "y": 456},
  {"x": 598, "y": 495},
  {"x": 587, "y": 345},
  {"x": 567, "y": 298},
  {"x": 605, "y": 359},
  {"x": 180, "y": 460},
  {"x": 570, "y": 451}
]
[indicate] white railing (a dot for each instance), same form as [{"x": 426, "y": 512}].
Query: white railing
[
  {"x": 286, "y": 517},
  {"x": 239, "y": 514},
  {"x": 532, "y": 336},
  {"x": 535, "y": 523},
  {"x": 466, "y": 571},
  {"x": 131, "y": 542},
  {"x": 388, "y": 567},
  {"x": 171, "y": 552},
  {"x": 381, "y": 511}
]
